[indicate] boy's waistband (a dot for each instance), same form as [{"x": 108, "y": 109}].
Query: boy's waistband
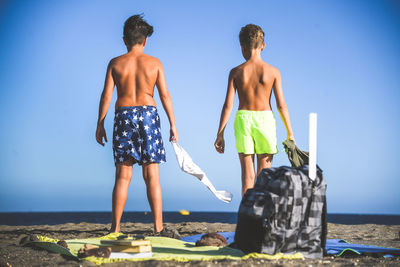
[
  {"x": 138, "y": 108},
  {"x": 252, "y": 112}
]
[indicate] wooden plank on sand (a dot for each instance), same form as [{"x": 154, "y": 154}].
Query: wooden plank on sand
[
  {"x": 130, "y": 249},
  {"x": 125, "y": 242}
]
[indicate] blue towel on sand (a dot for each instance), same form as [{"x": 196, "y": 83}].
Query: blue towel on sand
[
  {"x": 333, "y": 246},
  {"x": 340, "y": 246}
]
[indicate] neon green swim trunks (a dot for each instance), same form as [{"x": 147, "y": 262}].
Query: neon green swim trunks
[{"x": 255, "y": 132}]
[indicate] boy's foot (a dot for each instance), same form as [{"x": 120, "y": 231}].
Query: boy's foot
[
  {"x": 113, "y": 229},
  {"x": 169, "y": 232}
]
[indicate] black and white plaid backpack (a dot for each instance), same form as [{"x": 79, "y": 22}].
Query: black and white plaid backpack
[{"x": 284, "y": 212}]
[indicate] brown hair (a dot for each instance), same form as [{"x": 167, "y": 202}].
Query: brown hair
[
  {"x": 251, "y": 36},
  {"x": 136, "y": 29}
]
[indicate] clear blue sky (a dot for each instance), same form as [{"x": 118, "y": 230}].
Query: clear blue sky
[{"x": 340, "y": 59}]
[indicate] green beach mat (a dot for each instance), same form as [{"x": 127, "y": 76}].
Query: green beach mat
[{"x": 164, "y": 249}]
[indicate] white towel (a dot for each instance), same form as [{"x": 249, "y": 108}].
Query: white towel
[{"x": 187, "y": 165}]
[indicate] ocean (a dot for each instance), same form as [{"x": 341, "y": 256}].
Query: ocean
[{"x": 51, "y": 218}]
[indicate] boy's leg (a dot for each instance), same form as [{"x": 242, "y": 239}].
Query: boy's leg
[
  {"x": 247, "y": 166},
  {"x": 123, "y": 176},
  {"x": 263, "y": 161},
  {"x": 154, "y": 195}
]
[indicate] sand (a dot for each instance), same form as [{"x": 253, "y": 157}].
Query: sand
[{"x": 14, "y": 255}]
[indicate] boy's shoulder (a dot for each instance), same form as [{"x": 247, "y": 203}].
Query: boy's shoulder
[
  {"x": 238, "y": 67},
  {"x": 272, "y": 69},
  {"x": 115, "y": 61},
  {"x": 234, "y": 71},
  {"x": 149, "y": 58}
]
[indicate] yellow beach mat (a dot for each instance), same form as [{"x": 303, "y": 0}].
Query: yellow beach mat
[{"x": 164, "y": 248}]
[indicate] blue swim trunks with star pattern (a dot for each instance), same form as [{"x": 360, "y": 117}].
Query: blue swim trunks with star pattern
[{"x": 137, "y": 135}]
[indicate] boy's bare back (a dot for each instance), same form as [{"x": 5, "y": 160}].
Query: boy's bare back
[
  {"x": 254, "y": 81},
  {"x": 135, "y": 76}
]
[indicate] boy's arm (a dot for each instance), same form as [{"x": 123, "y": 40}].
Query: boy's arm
[
  {"x": 105, "y": 100},
  {"x": 166, "y": 101},
  {"x": 281, "y": 105},
  {"x": 225, "y": 113}
]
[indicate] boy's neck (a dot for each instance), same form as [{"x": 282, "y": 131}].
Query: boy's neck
[
  {"x": 252, "y": 54},
  {"x": 136, "y": 49}
]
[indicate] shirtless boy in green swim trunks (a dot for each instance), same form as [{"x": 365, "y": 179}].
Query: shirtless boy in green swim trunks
[{"x": 255, "y": 126}]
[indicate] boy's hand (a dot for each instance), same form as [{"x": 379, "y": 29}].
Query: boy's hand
[
  {"x": 173, "y": 135},
  {"x": 220, "y": 144},
  {"x": 100, "y": 134},
  {"x": 291, "y": 137}
]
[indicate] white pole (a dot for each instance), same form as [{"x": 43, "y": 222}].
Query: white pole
[{"x": 312, "y": 146}]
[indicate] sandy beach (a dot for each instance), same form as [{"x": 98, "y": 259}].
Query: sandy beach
[{"x": 13, "y": 254}]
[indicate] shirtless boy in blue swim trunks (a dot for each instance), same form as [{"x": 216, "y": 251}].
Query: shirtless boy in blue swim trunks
[
  {"x": 137, "y": 133},
  {"x": 255, "y": 126}
]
